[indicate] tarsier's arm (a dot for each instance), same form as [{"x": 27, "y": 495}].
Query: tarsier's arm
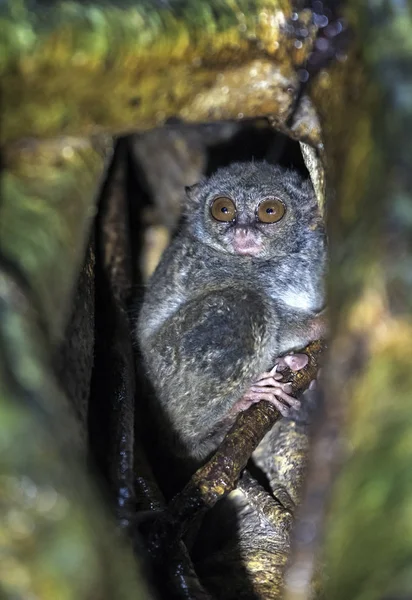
[{"x": 299, "y": 329}]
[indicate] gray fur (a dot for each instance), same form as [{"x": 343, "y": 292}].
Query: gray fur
[{"x": 213, "y": 320}]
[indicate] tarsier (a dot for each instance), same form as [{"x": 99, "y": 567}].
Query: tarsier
[{"x": 239, "y": 289}]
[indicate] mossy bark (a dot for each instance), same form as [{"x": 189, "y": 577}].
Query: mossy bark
[
  {"x": 367, "y": 550},
  {"x": 131, "y": 65}
]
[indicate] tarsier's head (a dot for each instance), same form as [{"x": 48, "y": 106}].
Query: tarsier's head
[{"x": 253, "y": 209}]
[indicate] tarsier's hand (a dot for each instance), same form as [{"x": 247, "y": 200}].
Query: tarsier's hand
[{"x": 269, "y": 387}]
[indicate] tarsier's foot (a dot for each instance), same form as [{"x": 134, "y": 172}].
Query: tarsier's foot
[{"x": 269, "y": 388}]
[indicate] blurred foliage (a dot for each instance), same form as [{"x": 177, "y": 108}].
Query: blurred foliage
[{"x": 369, "y": 539}]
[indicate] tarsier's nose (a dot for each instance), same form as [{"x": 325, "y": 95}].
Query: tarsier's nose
[
  {"x": 242, "y": 231},
  {"x": 246, "y": 241}
]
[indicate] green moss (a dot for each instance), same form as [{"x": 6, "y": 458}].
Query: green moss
[
  {"x": 77, "y": 68},
  {"x": 48, "y": 195}
]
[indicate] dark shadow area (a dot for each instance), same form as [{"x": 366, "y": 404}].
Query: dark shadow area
[
  {"x": 113, "y": 386},
  {"x": 255, "y": 141}
]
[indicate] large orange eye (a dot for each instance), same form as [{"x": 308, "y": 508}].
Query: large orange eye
[
  {"x": 223, "y": 209},
  {"x": 270, "y": 210}
]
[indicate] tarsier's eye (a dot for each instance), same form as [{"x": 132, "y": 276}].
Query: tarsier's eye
[
  {"x": 270, "y": 210},
  {"x": 223, "y": 209}
]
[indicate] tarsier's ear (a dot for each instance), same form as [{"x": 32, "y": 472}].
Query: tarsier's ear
[{"x": 192, "y": 192}]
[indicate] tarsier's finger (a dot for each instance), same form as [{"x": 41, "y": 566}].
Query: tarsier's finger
[
  {"x": 271, "y": 373},
  {"x": 272, "y": 382},
  {"x": 276, "y": 394},
  {"x": 283, "y": 402},
  {"x": 288, "y": 399},
  {"x": 256, "y": 395},
  {"x": 274, "y": 372},
  {"x": 295, "y": 362},
  {"x": 282, "y": 408}
]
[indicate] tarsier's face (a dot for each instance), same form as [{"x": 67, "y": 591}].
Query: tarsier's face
[
  {"x": 254, "y": 209},
  {"x": 242, "y": 232}
]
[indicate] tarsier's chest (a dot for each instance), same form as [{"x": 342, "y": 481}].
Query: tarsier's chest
[{"x": 302, "y": 298}]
